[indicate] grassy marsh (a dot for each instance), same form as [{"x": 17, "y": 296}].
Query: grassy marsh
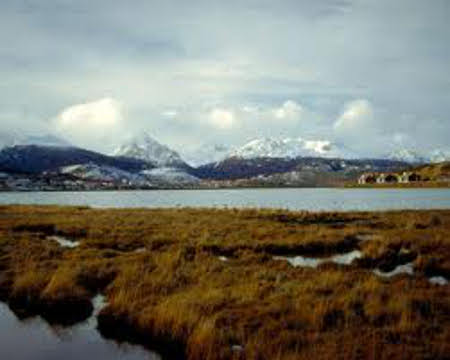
[{"x": 166, "y": 281}]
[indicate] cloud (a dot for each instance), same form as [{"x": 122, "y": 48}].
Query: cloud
[
  {"x": 357, "y": 114},
  {"x": 96, "y": 125},
  {"x": 153, "y": 60},
  {"x": 100, "y": 113},
  {"x": 170, "y": 113},
  {"x": 222, "y": 118},
  {"x": 239, "y": 122},
  {"x": 289, "y": 110}
]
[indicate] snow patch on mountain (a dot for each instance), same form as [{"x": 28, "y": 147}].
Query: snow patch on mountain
[
  {"x": 407, "y": 155},
  {"x": 96, "y": 172},
  {"x": 438, "y": 156},
  {"x": 146, "y": 148},
  {"x": 290, "y": 148},
  {"x": 155, "y": 177},
  {"x": 169, "y": 175}
]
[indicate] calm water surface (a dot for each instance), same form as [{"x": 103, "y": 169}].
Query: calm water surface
[
  {"x": 34, "y": 339},
  {"x": 294, "y": 199}
]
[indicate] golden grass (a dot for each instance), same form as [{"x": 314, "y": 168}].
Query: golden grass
[{"x": 250, "y": 307}]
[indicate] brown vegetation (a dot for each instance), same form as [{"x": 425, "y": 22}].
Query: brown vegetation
[{"x": 165, "y": 283}]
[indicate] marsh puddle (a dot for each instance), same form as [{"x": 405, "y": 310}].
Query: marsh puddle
[
  {"x": 342, "y": 259},
  {"x": 408, "y": 269},
  {"x": 64, "y": 242},
  {"x": 400, "y": 269},
  {"x": 35, "y": 339},
  {"x": 438, "y": 280}
]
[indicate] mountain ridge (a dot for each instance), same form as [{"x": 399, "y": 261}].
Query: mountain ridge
[{"x": 145, "y": 147}]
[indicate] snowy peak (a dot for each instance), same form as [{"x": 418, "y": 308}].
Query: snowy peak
[
  {"x": 416, "y": 157},
  {"x": 144, "y": 147},
  {"x": 407, "y": 155},
  {"x": 438, "y": 156},
  {"x": 290, "y": 148}
]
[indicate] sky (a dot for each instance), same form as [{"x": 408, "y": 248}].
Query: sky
[{"x": 373, "y": 75}]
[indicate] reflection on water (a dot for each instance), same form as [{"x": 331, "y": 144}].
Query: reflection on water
[
  {"x": 34, "y": 339},
  {"x": 342, "y": 259},
  {"x": 294, "y": 199},
  {"x": 400, "y": 269},
  {"x": 62, "y": 241},
  {"x": 438, "y": 280}
]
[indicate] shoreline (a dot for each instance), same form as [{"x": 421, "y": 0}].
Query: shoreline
[{"x": 427, "y": 185}]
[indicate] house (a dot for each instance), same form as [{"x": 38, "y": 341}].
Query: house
[
  {"x": 407, "y": 177},
  {"x": 368, "y": 178},
  {"x": 381, "y": 179},
  {"x": 391, "y": 178},
  {"x": 387, "y": 178}
]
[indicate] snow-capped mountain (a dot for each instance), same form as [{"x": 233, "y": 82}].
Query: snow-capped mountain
[
  {"x": 33, "y": 159},
  {"x": 407, "y": 155},
  {"x": 290, "y": 148},
  {"x": 420, "y": 157},
  {"x": 437, "y": 156},
  {"x": 144, "y": 147}
]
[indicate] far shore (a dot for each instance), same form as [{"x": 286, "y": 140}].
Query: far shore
[{"x": 421, "y": 185}]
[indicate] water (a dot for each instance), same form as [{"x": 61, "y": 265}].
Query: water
[
  {"x": 62, "y": 241},
  {"x": 342, "y": 259},
  {"x": 438, "y": 280},
  {"x": 293, "y": 199},
  {"x": 34, "y": 339},
  {"x": 400, "y": 269}
]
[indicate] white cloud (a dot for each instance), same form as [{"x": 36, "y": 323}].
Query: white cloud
[
  {"x": 356, "y": 115},
  {"x": 96, "y": 125},
  {"x": 289, "y": 110},
  {"x": 222, "y": 118},
  {"x": 250, "y": 109},
  {"x": 170, "y": 113}
]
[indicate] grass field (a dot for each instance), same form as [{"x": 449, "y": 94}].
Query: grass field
[{"x": 204, "y": 284}]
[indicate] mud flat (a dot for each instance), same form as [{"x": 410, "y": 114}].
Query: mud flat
[{"x": 236, "y": 283}]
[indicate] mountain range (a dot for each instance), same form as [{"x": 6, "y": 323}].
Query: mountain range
[
  {"x": 146, "y": 148},
  {"x": 290, "y": 148},
  {"x": 143, "y": 160}
]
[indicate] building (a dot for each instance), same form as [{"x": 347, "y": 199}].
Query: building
[
  {"x": 368, "y": 178},
  {"x": 408, "y": 177},
  {"x": 387, "y": 178}
]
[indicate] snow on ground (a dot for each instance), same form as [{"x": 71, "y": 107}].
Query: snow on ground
[{"x": 169, "y": 175}]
